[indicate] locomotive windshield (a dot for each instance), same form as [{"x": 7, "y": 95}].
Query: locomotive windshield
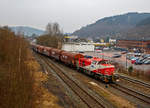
[
  {"x": 100, "y": 62},
  {"x": 103, "y": 62}
]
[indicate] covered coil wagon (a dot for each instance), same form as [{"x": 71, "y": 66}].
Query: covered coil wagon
[
  {"x": 56, "y": 53},
  {"x": 47, "y": 51},
  {"x": 40, "y": 49},
  {"x": 70, "y": 58}
]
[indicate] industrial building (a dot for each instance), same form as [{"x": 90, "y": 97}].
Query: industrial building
[
  {"x": 77, "y": 47},
  {"x": 138, "y": 44}
]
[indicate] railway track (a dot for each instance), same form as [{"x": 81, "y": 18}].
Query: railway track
[
  {"x": 135, "y": 81},
  {"x": 142, "y": 97},
  {"x": 90, "y": 100},
  {"x": 138, "y": 95}
]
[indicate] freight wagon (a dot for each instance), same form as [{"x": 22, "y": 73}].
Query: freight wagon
[{"x": 70, "y": 58}]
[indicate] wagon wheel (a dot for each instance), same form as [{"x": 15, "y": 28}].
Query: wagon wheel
[
  {"x": 92, "y": 73},
  {"x": 96, "y": 76},
  {"x": 78, "y": 69}
]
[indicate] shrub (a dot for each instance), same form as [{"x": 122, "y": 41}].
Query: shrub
[{"x": 130, "y": 70}]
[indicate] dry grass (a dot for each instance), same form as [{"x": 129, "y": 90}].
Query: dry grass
[
  {"x": 116, "y": 100},
  {"x": 44, "y": 99}
]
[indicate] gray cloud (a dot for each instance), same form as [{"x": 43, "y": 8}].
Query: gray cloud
[{"x": 70, "y": 14}]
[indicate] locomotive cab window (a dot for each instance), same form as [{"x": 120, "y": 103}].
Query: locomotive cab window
[
  {"x": 94, "y": 62},
  {"x": 103, "y": 62}
]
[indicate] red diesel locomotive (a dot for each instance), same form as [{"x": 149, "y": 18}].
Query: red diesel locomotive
[{"x": 97, "y": 67}]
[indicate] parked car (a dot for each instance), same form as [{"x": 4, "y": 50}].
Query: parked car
[
  {"x": 144, "y": 60},
  {"x": 123, "y": 52},
  {"x": 139, "y": 61},
  {"x": 106, "y": 48},
  {"x": 81, "y": 51},
  {"x": 147, "y": 62},
  {"x": 146, "y": 55},
  {"x": 130, "y": 57},
  {"x": 137, "y": 54},
  {"x": 120, "y": 49},
  {"x": 98, "y": 51},
  {"x": 133, "y": 60},
  {"x": 116, "y": 55}
]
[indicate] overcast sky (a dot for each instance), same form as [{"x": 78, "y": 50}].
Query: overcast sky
[{"x": 70, "y": 14}]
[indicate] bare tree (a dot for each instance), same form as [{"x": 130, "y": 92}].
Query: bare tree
[
  {"x": 49, "y": 29},
  {"x": 56, "y": 29},
  {"x": 53, "y": 36},
  {"x": 53, "y": 29}
]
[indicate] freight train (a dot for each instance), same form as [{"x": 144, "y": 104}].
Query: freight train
[{"x": 93, "y": 66}]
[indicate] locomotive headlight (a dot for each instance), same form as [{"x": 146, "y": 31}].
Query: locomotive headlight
[
  {"x": 92, "y": 66},
  {"x": 106, "y": 72},
  {"x": 117, "y": 80}
]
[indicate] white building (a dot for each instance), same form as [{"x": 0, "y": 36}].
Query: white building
[
  {"x": 78, "y": 47},
  {"x": 112, "y": 40}
]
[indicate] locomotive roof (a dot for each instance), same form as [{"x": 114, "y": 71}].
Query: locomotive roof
[
  {"x": 93, "y": 59},
  {"x": 98, "y": 59}
]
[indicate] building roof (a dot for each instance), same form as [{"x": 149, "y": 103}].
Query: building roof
[{"x": 135, "y": 39}]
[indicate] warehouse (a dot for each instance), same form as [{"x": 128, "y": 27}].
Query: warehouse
[
  {"x": 138, "y": 44},
  {"x": 83, "y": 46}
]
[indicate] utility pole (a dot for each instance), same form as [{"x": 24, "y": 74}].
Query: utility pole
[{"x": 126, "y": 62}]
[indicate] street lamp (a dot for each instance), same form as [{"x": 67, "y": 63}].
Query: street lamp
[
  {"x": 126, "y": 61},
  {"x": 143, "y": 44}
]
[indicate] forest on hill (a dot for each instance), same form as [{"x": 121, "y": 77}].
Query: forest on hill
[
  {"x": 115, "y": 26},
  {"x": 141, "y": 31}
]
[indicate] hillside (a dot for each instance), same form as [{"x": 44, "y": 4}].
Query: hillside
[
  {"x": 140, "y": 31},
  {"x": 144, "y": 22},
  {"x": 27, "y": 31},
  {"x": 112, "y": 26}
]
